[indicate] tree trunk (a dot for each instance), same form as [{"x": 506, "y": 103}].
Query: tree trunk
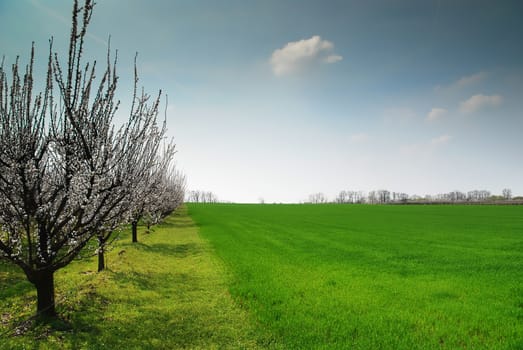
[
  {"x": 44, "y": 283},
  {"x": 134, "y": 229},
  {"x": 101, "y": 258},
  {"x": 101, "y": 249}
]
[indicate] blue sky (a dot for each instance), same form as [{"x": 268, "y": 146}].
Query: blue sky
[{"x": 281, "y": 99}]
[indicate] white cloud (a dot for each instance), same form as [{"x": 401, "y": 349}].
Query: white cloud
[
  {"x": 441, "y": 140},
  {"x": 462, "y": 82},
  {"x": 332, "y": 59},
  {"x": 471, "y": 79},
  {"x": 296, "y": 55},
  {"x": 435, "y": 114},
  {"x": 477, "y": 102},
  {"x": 426, "y": 149}
]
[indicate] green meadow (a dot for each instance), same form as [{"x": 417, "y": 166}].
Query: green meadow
[
  {"x": 223, "y": 276},
  {"x": 374, "y": 277}
]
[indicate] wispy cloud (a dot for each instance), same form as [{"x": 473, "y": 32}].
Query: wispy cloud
[
  {"x": 332, "y": 59},
  {"x": 477, "y": 102},
  {"x": 468, "y": 80},
  {"x": 425, "y": 149},
  {"x": 440, "y": 140},
  {"x": 471, "y": 79},
  {"x": 296, "y": 55},
  {"x": 436, "y": 114}
]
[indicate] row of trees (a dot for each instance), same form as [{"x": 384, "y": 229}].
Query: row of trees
[
  {"x": 385, "y": 196},
  {"x": 201, "y": 197},
  {"x": 69, "y": 177}
]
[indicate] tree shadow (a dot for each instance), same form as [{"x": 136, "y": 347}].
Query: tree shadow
[
  {"x": 74, "y": 316},
  {"x": 13, "y": 283},
  {"x": 150, "y": 328},
  {"x": 146, "y": 324},
  {"x": 178, "y": 223},
  {"x": 136, "y": 279},
  {"x": 181, "y": 250},
  {"x": 177, "y": 250}
]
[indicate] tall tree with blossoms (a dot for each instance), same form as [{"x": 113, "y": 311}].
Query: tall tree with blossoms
[
  {"x": 138, "y": 163},
  {"x": 66, "y": 171}
]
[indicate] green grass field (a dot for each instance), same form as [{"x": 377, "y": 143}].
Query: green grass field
[
  {"x": 375, "y": 277},
  {"x": 291, "y": 277}
]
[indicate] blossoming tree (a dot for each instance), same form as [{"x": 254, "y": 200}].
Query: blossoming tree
[{"x": 66, "y": 171}]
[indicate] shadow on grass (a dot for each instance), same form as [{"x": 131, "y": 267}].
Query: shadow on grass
[
  {"x": 147, "y": 329},
  {"x": 171, "y": 250},
  {"x": 85, "y": 321},
  {"x": 140, "y": 322},
  {"x": 15, "y": 297},
  {"x": 177, "y": 250},
  {"x": 138, "y": 280},
  {"x": 76, "y": 313},
  {"x": 13, "y": 283},
  {"x": 179, "y": 223}
]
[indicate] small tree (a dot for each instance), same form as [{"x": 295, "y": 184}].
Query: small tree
[
  {"x": 171, "y": 197},
  {"x": 383, "y": 196},
  {"x": 66, "y": 173},
  {"x": 317, "y": 198},
  {"x": 342, "y": 197},
  {"x": 200, "y": 196},
  {"x": 137, "y": 162},
  {"x": 507, "y": 193},
  {"x": 372, "y": 197},
  {"x": 147, "y": 197}
]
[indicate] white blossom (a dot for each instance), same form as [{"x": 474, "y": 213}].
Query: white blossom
[{"x": 67, "y": 173}]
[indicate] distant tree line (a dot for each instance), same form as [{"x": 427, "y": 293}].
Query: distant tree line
[
  {"x": 199, "y": 196},
  {"x": 388, "y": 197}
]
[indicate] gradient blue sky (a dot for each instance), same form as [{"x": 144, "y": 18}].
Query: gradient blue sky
[{"x": 280, "y": 99}]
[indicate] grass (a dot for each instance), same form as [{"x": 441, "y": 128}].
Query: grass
[
  {"x": 375, "y": 277},
  {"x": 291, "y": 277},
  {"x": 166, "y": 292}
]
